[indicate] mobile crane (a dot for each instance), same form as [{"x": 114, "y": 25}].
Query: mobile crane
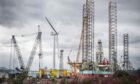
[{"x": 37, "y": 44}]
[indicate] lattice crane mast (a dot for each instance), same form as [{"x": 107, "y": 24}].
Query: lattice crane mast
[
  {"x": 33, "y": 52},
  {"x": 20, "y": 59}
]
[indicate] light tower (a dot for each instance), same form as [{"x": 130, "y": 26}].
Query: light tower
[
  {"x": 126, "y": 51},
  {"x": 88, "y": 32},
  {"x": 113, "y": 35},
  {"x": 99, "y": 52}
]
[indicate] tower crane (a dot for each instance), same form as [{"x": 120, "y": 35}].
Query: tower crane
[{"x": 55, "y": 34}]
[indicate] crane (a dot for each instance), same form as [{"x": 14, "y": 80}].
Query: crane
[
  {"x": 76, "y": 64},
  {"x": 24, "y": 35},
  {"x": 51, "y": 25},
  {"x": 18, "y": 52},
  {"x": 55, "y": 34},
  {"x": 69, "y": 55},
  {"x": 33, "y": 52}
]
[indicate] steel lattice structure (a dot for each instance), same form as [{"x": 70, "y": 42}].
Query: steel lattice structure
[
  {"x": 113, "y": 34},
  {"x": 88, "y": 33},
  {"x": 20, "y": 59},
  {"x": 37, "y": 43},
  {"x": 126, "y": 54},
  {"x": 99, "y": 52}
]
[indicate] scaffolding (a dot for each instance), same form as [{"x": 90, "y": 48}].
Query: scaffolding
[{"x": 113, "y": 35}]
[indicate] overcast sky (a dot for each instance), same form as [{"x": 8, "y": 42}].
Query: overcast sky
[{"x": 22, "y": 17}]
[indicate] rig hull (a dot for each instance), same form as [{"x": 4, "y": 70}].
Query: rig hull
[{"x": 93, "y": 73}]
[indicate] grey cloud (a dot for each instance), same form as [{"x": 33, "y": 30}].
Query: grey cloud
[
  {"x": 5, "y": 42},
  {"x": 129, "y": 17},
  {"x": 19, "y": 12},
  {"x": 135, "y": 61},
  {"x": 128, "y": 5},
  {"x": 66, "y": 12},
  {"x": 128, "y": 12},
  {"x": 5, "y": 59},
  {"x": 134, "y": 38}
]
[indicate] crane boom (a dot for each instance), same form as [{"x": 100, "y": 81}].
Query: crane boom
[
  {"x": 24, "y": 35},
  {"x": 54, "y": 34},
  {"x": 20, "y": 59},
  {"x": 69, "y": 61},
  {"x": 40, "y": 48},
  {"x": 51, "y": 26},
  {"x": 80, "y": 45},
  {"x": 33, "y": 52}
]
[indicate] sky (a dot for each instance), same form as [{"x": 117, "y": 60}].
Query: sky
[{"x": 22, "y": 17}]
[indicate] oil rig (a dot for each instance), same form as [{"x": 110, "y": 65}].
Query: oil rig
[
  {"x": 102, "y": 66},
  {"x": 91, "y": 64},
  {"x": 88, "y": 66}
]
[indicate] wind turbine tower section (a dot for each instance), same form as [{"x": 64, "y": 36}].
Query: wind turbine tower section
[
  {"x": 61, "y": 60},
  {"x": 113, "y": 35}
]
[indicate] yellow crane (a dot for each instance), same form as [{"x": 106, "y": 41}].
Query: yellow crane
[{"x": 76, "y": 64}]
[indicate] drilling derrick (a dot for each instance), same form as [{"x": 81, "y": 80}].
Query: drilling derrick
[
  {"x": 88, "y": 32},
  {"x": 113, "y": 35},
  {"x": 126, "y": 54},
  {"x": 99, "y": 53}
]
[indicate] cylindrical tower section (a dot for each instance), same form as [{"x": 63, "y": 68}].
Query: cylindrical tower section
[{"x": 61, "y": 60}]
